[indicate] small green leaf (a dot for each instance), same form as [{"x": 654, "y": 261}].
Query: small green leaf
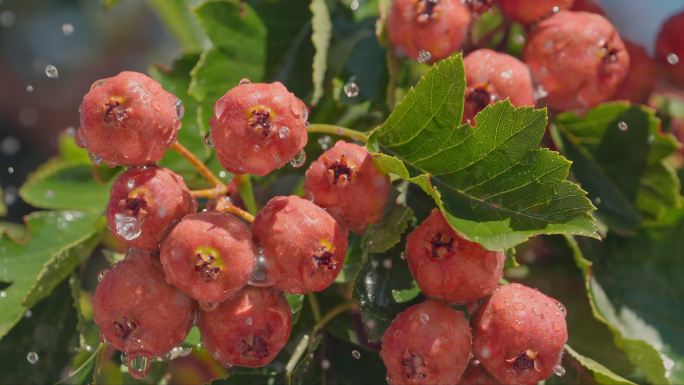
[
  {"x": 322, "y": 32},
  {"x": 83, "y": 375},
  {"x": 296, "y": 302},
  {"x": 380, "y": 237},
  {"x": 618, "y": 153},
  {"x": 176, "y": 16},
  {"x": 71, "y": 153},
  {"x": 406, "y": 295},
  {"x": 50, "y": 234},
  {"x": 65, "y": 185},
  {"x": 193, "y": 339},
  {"x": 602, "y": 375},
  {"x": 493, "y": 183}
]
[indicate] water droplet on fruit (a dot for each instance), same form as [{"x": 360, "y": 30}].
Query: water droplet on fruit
[
  {"x": 540, "y": 93},
  {"x": 51, "y": 71},
  {"x": 208, "y": 140},
  {"x": 29, "y": 88},
  {"x": 325, "y": 364},
  {"x": 244, "y": 81},
  {"x": 424, "y": 318},
  {"x": 555, "y": 9},
  {"x": 260, "y": 276},
  {"x": 518, "y": 306},
  {"x": 249, "y": 321},
  {"x": 561, "y": 307},
  {"x": 32, "y": 357},
  {"x": 180, "y": 109},
  {"x": 623, "y": 126},
  {"x": 356, "y": 354},
  {"x": 283, "y": 132},
  {"x": 139, "y": 366},
  {"x": 673, "y": 58},
  {"x": 299, "y": 159},
  {"x": 484, "y": 353},
  {"x": 402, "y": 255},
  {"x": 127, "y": 227},
  {"x": 351, "y": 89},
  {"x": 424, "y": 57},
  {"x": 558, "y": 370},
  {"x": 507, "y": 74},
  {"x": 130, "y": 184},
  {"x": 67, "y": 29},
  {"x": 101, "y": 275},
  {"x": 324, "y": 142},
  {"x": 95, "y": 158}
]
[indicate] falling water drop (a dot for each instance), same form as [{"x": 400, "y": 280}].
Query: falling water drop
[
  {"x": 356, "y": 354},
  {"x": 673, "y": 58},
  {"x": 67, "y": 29},
  {"x": 29, "y": 88},
  {"x": 51, "y": 71},
  {"x": 324, "y": 142},
  {"x": 299, "y": 159},
  {"x": 32, "y": 357},
  {"x": 351, "y": 89},
  {"x": 325, "y": 364},
  {"x": 623, "y": 126}
]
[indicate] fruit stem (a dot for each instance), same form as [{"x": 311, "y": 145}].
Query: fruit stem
[
  {"x": 225, "y": 206},
  {"x": 210, "y": 192},
  {"x": 334, "y": 312},
  {"x": 196, "y": 163},
  {"x": 338, "y": 130},
  {"x": 315, "y": 309}
]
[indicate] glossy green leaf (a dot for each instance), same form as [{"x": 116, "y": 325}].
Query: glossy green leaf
[
  {"x": 322, "y": 32},
  {"x": 493, "y": 183},
  {"x": 71, "y": 153},
  {"x": 618, "y": 153},
  {"x": 51, "y": 234},
  {"x": 65, "y": 185},
  {"x": 296, "y": 302},
  {"x": 602, "y": 375},
  {"x": 380, "y": 237},
  {"x": 176, "y": 16}
]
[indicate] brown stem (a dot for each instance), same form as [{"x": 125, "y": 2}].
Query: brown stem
[
  {"x": 199, "y": 166},
  {"x": 210, "y": 193},
  {"x": 225, "y": 206}
]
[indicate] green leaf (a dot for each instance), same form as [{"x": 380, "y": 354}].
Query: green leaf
[
  {"x": 176, "y": 16},
  {"x": 322, "y": 32},
  {"x": 69, "y": 152},
  {"x": 602, "y": 375},
  {"x": 83, "y": 375},
  {"x": 65, "y": 185},
  {"x": 618, "y": 153},
  {"x": 642, "y": 322},
  {"x": 406, "y": 295},
  {"x": 380, "y": 237},
  {"x": 193, "y": 339},
  {"x": 50, "y": 234},
  {"x": 493, "y": 183},
  {"x": 238, "y": 51},
  {"x": 296, "y": 302}
]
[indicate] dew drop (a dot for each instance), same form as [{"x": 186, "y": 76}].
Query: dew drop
[
  {"x": 597, "y": 201},
  {"x": 127, "y": 227},
  {"x": 325, "y": 364},
  {"x": 402, "y": 255},
  {"x": 71, "y": 131},
  {"x": 507, "y": 74},
  {"x": 208, "y": 140},
  {"x": 673, "y": 58},
  {"x": 540, "y": 93},
  {"x": 623, "y": 126},
  {"x": 424, "y": 57},
  {"x": 101, "y": 275},
  {"x": 29, "y": 88},
  {"x": 561, "y": 307},
  {"x": 180, "y": 109},
  {"x": 484, "y": 353},
  {"x": 10, "y": 170},
  {"x": 354, "y": 5},
  {"x": 351, "y": 89},
  {"x": 260, "y": 276},
  {"x": 558, "y": 370},
  {"x": 283, "y": 132},
  {"x": 51, "y": 71},
  {"x": 139, "y": 366},
  {"x": 356, "y": 354},
  {"x": 299, "y": 159},
  {"x": 244, "y": 81},
  {"x": 67, "y": 29},
  {"x": 32, "y": 357}
]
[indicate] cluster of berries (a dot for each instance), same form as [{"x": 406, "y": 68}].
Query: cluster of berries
[
  {"x": 573, "y": 57},
  {"x": 210, "y": 268}
]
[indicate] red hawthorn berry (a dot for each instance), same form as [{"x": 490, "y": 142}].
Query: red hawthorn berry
[
  {"x": 304, "y": 245},
  {"x": 527, "y": 12},
  {"x": 258, "y": 127},
  {"x": 427, "y": 30},
  {"x": 492, "y": 76},
  {"x": 138, "y": 312},
  {"x": 345, "y": 181},
  {"x": 670, "y": 48},
  {"x": 428, "y": 343},
  {"x": 448, "y": 267},
  {"x": 476, "y": 375},
  {"x": 129, "y": 120},
  {"x": 144, "y": 203},
  {"x": 247, "y": 330},
  {"x": 588, "y": 6},
  {"x": 209, "y": 256},
  {"x": 577, "y": 59},
  {"x": 642, "y": 76},
  {"x": 479, "y": 6},
  {"x": 519, "y": 334}
]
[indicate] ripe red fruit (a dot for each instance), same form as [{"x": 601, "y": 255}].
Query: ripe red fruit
[
  {"x": 209, "y": 256},
  {"x": 304, "y": 246},
  {"x": 428, "y": 343},
  {"x": 642, "y": 76},
  {"x": 344, "y": 181},
  {"x": 588, "y": 6},
  {"x": 479, "y": 6},
  {"x": 492, "y": 76},
  {"x": 138, "y": 312},
  {"x": 519, "y": 335},
  {"x": 670, "y": 48},
  {"x": 258, "y": 127},
  {"x": 577, "y": 58},
  {"x": 526, "y": 11},
  {"x": 144, "y": 203},
  {"x": 129, "y": 120},
  {"x": 247, "y": 330},
  {"x": 476, "y": 375},
  {"x": 448, "y": 267},
  {"x": 427, "y": 30}
]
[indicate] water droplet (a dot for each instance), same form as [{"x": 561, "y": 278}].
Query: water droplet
[
  {"x": 324, "y": 142},
  {"x": 29, "y": 88},
  {"x": 51, "y": 71},
  {"x": 540, "y": 93},
  {"x": 518, "y": 306},
  {"x": 180, "y": 109},
  {"x": 561, "y": 307},
  {"x": 673, "y": 58},
  {"x": 67, "y": 29},
  {"x": 387, "y": 263},
  {"x": 597, "y": 201},
  {"x": 507, "y": 74},
  {"x": 101, "y": 275},
  {"x": 71, "y": 131},
  {"x": 32, "y": 357},
  {"x": 555, "y": 9},
  {"x": 127, "y": 227},
  {"x": 424, "y": 318},
  {"x": 354, "y": 5},
  {"x": 402, "y": 255},
  {"x": 424, "y": 57},
  {"x": 10, "y": 146},
  {"x": 139, "y": 366},
  {"x": 96, "y": 159},
  {"x": 208, "y": 140},
  {"x": 260, "y": 276},
  {"x": 10, "y": 170},
  {"x": 249, "y": 321},
  {"x": 7, "y": 18},
  {"x": 283, "y": 132},
  {"x": 623, "y": 126},
  {"x": 299, "y": 159},
  {"x": 244, "y": 81},
  {"x": 558, "y": 370},
  {"x": 28, "y": 314},
  {"x": 484, "y": 353},
  {"x": 3, "y": 294},
  {"x": 351, "y": 89},
  {"x": 356, "y": 354},
  {"x": 325, "y": 364}
]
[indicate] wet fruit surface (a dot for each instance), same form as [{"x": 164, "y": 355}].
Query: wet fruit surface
[{"x": 526, "y": 12}]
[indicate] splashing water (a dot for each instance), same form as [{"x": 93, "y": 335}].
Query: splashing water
[{"x": 127, "y": 227}]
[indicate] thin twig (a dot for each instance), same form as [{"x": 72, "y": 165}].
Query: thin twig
[
  {"x": 196, "y": 163},
  {"x": 225, "y": 206},
  {"x": 338, "y": 130}
]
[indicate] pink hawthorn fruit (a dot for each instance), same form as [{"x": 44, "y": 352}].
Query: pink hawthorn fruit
[
  {"x": 209, "y": 256},
  {"x": 527, "y": 12},
  {"x": 577, "y": 58},
  {"x": 642, "y": 76},
  {"x": 129, "y": 120},
  {"x": 427, "y": 30},
  {"x": 138, "y": 312},
  {"x": 304, "y": 246},
  {"x": 248, "y": 330},
  {"x": 344, "y": 181},
  {"x": 492, "y": 76},
  {"x": 479, "y": 6},
  {"x": 448, "y": 267},
  {"x": 428, "y": 343},
  {"x": 670, "y": 48},
  {"x": 258, "y": 127},
  {"x": 519, "y": 335},
  {"x": 144, "y": 203}
]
